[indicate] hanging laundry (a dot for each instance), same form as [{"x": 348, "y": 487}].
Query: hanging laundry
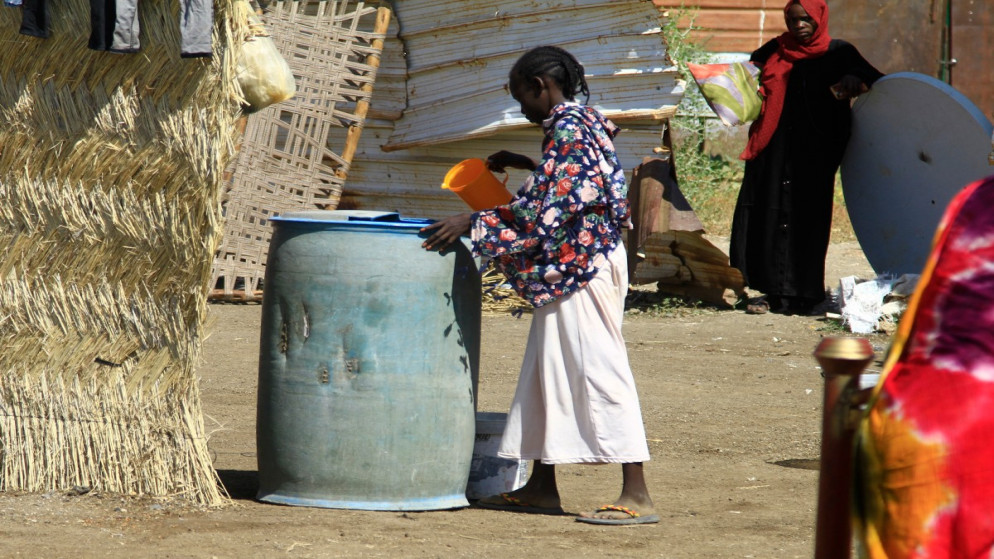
[
  {"x": 34, "y": 18},
  {"x": 196, "y": 24},
  {"x": 102, "y": 16},
  {"x": 115, "y": 27}
]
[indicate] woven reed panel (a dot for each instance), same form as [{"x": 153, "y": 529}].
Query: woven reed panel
[
  {"x": 111, "y": 172},
  {"x": 294, "y": 154}
]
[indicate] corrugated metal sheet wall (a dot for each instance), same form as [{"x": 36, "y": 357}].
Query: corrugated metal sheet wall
[
  {"x": 729, "y": 25},
  {"x": 894, "y": 35},
  {"x": 908, "y": 36},
  {"x": 973, "y": 49},
  {"x": 408, "y": 180}
]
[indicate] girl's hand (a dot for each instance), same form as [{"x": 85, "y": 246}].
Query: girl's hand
[
  {"x": 446, "y": 231},
  {"x": 503, "y": 159},
  {"x": 848, "y": 87}
]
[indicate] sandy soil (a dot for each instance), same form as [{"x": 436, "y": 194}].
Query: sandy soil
[{"x": 732, "y": 407}]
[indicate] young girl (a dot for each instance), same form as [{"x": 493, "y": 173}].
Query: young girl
[{"x": 559, "y": 243}]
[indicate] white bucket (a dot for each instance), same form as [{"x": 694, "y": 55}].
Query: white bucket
[{"x": 489, "y": 474}]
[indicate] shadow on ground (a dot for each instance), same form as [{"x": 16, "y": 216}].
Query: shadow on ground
[{"x": 241, "y": 484}]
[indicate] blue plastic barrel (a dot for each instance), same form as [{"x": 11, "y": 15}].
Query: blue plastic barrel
[{"x": 368, "y": 365}]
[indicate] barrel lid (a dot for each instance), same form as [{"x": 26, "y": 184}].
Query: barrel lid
[
  {"x": 915, "y": 143},
  {"x": 349, "y": 218}
]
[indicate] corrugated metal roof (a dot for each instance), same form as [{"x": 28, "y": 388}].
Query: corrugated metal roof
[
  {"x": 409, "y": 181},
  {"x": 458, "y": 59}
]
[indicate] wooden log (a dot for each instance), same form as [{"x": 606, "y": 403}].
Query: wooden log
[{"x": 667, "y": 244}]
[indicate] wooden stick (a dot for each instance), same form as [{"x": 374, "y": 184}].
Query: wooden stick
[{"x": 383, "y": 15}]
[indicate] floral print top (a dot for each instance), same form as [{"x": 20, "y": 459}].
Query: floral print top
[{"x": 553, "y": 236}]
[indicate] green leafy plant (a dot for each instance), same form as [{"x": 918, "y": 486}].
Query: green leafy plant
[
  {"x": 644, "y": 302},
  {"x": 709, "y": 182}
]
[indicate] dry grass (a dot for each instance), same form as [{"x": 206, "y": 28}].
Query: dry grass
[{"x": 498, "y": 297}]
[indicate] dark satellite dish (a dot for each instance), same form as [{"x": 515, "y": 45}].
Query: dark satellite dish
[{"x": 915, "y": 143}]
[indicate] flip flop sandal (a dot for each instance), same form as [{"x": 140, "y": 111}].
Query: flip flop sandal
[
  {"x": 514, "y": 504},
  {"x": 633, "y": 517}
]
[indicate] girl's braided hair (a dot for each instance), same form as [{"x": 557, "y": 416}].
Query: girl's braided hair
[{"x": 556, "y": 63}]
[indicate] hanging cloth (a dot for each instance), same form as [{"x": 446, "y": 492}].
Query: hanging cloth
[
  {"x": 34, "y": 18},
  {"x": 114, "y": 26}
]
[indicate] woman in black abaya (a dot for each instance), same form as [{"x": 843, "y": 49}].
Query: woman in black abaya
[{"x": 782, "y": 220}]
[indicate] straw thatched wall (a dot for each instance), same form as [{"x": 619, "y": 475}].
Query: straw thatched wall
[{"x": 110, "y": 177}]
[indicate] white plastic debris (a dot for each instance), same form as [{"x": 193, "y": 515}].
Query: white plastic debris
[
  {"x": 866, "y": 302},
  {"x": 868, "y": 380}
]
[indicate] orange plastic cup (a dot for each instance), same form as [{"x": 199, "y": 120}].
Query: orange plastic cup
[{"x": 476, "y": 185}]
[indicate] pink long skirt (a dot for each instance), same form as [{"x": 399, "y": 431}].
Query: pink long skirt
[{"x": 576, "y": 400}]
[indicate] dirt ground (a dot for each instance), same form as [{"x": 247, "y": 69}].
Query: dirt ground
[{"x": 732, "y": 407}]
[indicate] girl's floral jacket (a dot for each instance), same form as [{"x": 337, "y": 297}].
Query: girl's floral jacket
[{"x": 555, "y": 233}]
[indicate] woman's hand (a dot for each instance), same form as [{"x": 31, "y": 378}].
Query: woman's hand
[
  {"x": 503, "y": 160},
  {"x": 848, "y": 87},
  {"x": 446, "y": 231}
]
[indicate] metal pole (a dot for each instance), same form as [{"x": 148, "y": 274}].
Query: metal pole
[
  {"x": 946, "y": 60},
  {"x": 842, "y": 360}
]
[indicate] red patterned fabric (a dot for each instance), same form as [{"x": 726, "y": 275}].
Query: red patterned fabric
[{"x": 926, "y": 468}]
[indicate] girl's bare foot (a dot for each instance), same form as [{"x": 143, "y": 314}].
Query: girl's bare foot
[
  {"x": 634, "y": 506},
  {"x": 539, "y": 495},
  {"x": 622, "y": 511}
]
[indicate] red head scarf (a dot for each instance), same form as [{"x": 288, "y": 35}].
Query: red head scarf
[{"x": 776, "y": 70}]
